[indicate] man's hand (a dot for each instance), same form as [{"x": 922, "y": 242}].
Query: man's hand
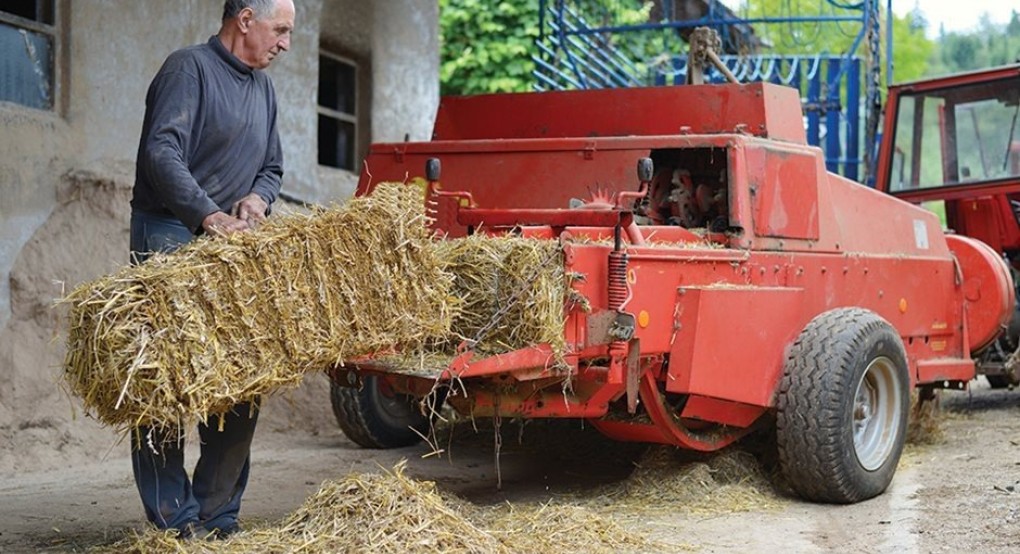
[
  {"x": 219, "y": 224},
  {"x": 251, "y": 209}
]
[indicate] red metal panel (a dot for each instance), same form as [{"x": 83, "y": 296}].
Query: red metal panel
[
  {"x": 759, "y": 109},
  {"x": 958, "y": 192},
  {"x": 908, "y": 230},
  {"x": 979, "y": 218},
  {"x": 552, "y": 217},
  {"x": 989, "y": 219},
  {"x": 721, "y": 411},
  {"x": 784, "y": 193},
  {"x": 947, "y": 369},
  {"x": 987, "y": 289},
  {"x": 628, "y": 431},
  {"x": 732, "y": 341}
]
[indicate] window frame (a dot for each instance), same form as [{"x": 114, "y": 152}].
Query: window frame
[
  {"x": 57, "y": 38},
  {"x": 351, "y": 118}
]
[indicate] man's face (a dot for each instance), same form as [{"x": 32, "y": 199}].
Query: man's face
[{"x": 269, "y": 36}]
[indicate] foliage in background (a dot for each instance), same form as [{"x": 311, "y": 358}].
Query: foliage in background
[
  {"x": 987, "y": 46},
  {"x": 911, "y": 49},
  {"x": 487, "y": 45}
]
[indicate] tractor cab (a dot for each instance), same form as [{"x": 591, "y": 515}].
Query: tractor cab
[{"x": 952, "y": 144}]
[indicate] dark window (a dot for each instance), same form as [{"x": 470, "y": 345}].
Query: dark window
[
  {"x": 34, "y": 10},
  {"x": 338, "y": 115},
  {"x": 27, "y": 36}
]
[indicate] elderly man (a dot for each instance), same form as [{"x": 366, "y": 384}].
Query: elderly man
[{"x": 209, "y": 161}]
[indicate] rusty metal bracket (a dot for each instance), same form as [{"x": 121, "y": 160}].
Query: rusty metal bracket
[
  {"x": 623, "y": 326},
  {"x": 633, "y": 375}
]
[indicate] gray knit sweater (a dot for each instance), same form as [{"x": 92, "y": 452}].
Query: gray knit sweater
[{"x": 209, "y": 136}]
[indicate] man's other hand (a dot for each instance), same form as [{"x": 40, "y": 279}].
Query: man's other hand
[
  {"x": 219, "y": 224},
  {"x": 251, "y": 208}
]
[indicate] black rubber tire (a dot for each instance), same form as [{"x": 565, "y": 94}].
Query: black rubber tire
[
  {"x": 999, "y": 381},
  {"x": 374, "y": 419},
  {"x": 823, "y": 385}
]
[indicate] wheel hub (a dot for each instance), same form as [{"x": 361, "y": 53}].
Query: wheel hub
[{"x": 875, "y": 413}]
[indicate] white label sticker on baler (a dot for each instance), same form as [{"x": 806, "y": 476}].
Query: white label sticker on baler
[{"x": 920, "y": 234}]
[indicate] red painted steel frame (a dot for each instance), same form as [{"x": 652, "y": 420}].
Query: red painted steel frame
[{"x": 712, "y": 315}]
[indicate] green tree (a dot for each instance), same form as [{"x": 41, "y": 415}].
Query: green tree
[
  {"x": 911, "y": 49},
  {"x": 989, "y": 45},
  {"x": 487, "y": 46}
]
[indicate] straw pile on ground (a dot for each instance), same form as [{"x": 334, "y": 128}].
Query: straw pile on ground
[
  {"x": 701, "y": 485},
  {"x": 389, "y": 512},
  {"x": 185, "y": 336},
  {"x": 925, "y": 423}
]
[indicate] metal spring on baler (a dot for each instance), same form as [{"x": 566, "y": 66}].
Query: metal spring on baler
[{"x": 618, "y": 290}]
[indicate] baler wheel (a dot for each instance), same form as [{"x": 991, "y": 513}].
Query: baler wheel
[
  {"x": 999, "y": 381},
  {"x": 843, "y": 407},
  {"x": 374, "y": 416}
]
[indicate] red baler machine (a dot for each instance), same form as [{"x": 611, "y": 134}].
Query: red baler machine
[{"x": 732, "y": 283}]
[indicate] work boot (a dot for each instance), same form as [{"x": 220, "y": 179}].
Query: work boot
[
  {"x": 217, "y": 534},
  {"x": 195, "y": 532}
]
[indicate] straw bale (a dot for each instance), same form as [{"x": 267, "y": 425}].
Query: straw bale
[
  {"x": 390, "y": 512},
  {"x": 512, "y": 290},
  {"x": 187, "y": 335}
]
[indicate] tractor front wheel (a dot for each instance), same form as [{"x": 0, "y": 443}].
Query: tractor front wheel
[
  {"x": 843, "y": 406},
  {"x": 374, "y": 416}
]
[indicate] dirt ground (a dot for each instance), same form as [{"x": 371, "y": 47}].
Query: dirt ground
[{"x": 961, "y": 493}]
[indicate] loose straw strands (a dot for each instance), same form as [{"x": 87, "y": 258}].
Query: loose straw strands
[
  {"x": 725, "y": 482},
  {"x": 513, "y": 291},
  {"x": 187, "y": 335},
  {"x": 389, "y": 512}
]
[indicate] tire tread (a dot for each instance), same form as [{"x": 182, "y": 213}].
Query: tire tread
[{"x": 810, "y": 405}]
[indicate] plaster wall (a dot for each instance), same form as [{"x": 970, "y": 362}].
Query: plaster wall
[
  {"x": 114, "y": 47},
  {"x": 405, "y": 38},
  {"x": 34, "y": 149},
  {"x": 66, "y": 175}
]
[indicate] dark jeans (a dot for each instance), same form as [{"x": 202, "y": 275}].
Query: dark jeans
[{"x": 213, "y": 498}]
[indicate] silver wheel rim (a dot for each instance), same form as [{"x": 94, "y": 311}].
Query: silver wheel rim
[
  {"x": 876, "y": 413},
  {"x": 395, "y": 409}
]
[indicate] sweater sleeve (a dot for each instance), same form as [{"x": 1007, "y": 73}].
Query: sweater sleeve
[
  {"x": 174, "y": 103},
  {"x": 268, "y": 180}
]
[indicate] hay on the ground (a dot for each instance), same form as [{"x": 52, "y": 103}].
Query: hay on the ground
[
  {"x": 390, "y": 512},
  {"x": 561, "y": 527},
  {"x": 725, "y": 482},
  {"x": 925, "y": 423}
]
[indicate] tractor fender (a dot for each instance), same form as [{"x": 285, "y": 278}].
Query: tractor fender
[{"x": 987, "y": 287}]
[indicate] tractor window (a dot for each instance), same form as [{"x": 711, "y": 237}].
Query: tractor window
[{"x": 957, "y": 136}]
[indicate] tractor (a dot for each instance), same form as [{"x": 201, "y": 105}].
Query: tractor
[
  {"x": 951, "y": 144},
  {"x": 731, "y": 282}
]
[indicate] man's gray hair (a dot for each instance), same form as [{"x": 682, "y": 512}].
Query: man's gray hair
[{"x": 262, "y": 8}]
